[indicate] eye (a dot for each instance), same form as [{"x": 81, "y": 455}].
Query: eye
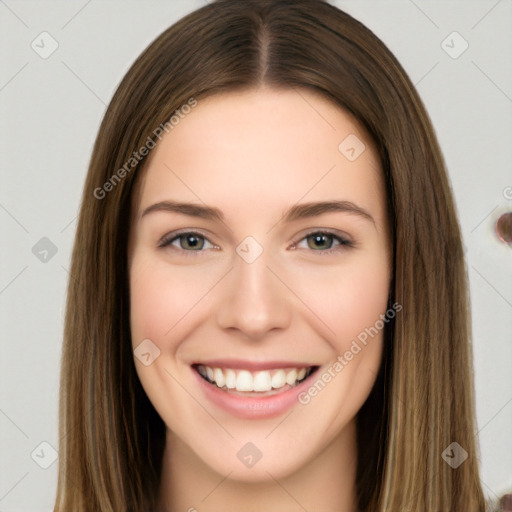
[
  {"x": 189, "y": 241},
  {"x": 325, "y": 242},
  {"x": 192, "y": 241}
]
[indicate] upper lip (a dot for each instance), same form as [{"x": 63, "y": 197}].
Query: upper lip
[{"x": 241, "y": 364}]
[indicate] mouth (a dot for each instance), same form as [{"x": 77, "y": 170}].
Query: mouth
[
  {"x": 259, "y": 383},
  {"x": 251, "y": 390}
]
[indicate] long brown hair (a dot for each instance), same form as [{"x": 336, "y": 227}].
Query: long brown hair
[{"x": 112, "y": 438}]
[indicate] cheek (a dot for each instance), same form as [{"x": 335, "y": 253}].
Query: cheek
[
  {"x": 364, "y": 300},
  {"x": 348, "y": 299},
  {"x": 150, "y": 303},
  {"x": 352, "y": 301},
  {"x": 160, "y": 298}
]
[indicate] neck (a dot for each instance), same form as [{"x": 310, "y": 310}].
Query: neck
[{"x": 325, "y": 483}]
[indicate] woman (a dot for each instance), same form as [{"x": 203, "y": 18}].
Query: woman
[{"x": 217, "y": 356}]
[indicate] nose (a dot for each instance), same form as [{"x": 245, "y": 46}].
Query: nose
[{"x": 254, "y": 300}]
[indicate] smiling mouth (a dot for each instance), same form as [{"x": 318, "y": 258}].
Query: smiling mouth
[{"x": 254, "y": 383}]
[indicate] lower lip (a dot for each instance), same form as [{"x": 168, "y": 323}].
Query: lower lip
[{"x": 252, "y": 407}]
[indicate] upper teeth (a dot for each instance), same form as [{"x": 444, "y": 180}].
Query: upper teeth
[{"x": 244, "y": 380}]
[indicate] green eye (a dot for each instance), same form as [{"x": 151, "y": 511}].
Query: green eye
[
  {"x": 325, "y": 242},
  {"x": 189, "y": 241},
  {"x": 320, "y": 241}
]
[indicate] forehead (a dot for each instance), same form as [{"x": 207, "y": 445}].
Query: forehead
[{"x": 264, "y": 147}]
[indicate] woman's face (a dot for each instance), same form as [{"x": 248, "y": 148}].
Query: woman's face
[{"x": 259, "y": 267}]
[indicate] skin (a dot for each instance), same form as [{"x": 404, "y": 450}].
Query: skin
[{"x": 253, "y": 154}]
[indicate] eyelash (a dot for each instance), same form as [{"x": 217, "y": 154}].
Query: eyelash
[{"x": 167, "y": 240}]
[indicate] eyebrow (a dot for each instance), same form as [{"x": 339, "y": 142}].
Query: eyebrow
[{"x": 295, "y": 212}]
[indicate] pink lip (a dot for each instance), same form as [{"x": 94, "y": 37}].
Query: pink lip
[
  {"x": 251, "y": 407},
  {"x": 252, "y": 366}
]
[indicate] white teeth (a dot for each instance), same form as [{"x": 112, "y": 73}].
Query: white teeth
[
  {"x": 230, "y": 379},
  {"x": 218, "y": 377},
  {"x": 244, "y": 381},
  {"x": 261, "y": 381},
  {"x": 279, "y": 379},
  {"x": 291, "y": 377}
]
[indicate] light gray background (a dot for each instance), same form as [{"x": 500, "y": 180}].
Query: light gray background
[{"x": 51, "y": 110}]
